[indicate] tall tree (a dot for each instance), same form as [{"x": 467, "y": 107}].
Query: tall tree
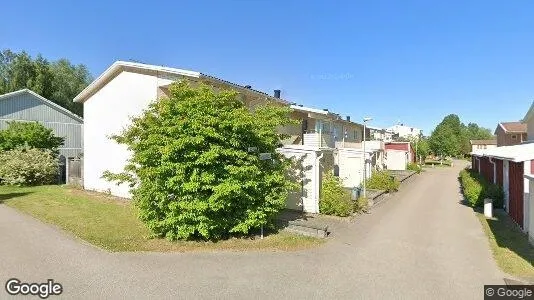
[
  {"x": 451, "y": 137},
  {"x": 59, "y": 81},
  {"x": 478, "y": 133},
  {"x": 68, "y": 81}
]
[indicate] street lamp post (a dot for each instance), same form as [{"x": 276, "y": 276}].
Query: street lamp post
[{"x": 365, "y": 120}]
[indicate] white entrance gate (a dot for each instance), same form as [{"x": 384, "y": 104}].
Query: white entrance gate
[{"x": 306, "y": 172}]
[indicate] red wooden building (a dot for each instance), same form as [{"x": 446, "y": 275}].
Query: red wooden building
[{"x": 507, "y": 167}]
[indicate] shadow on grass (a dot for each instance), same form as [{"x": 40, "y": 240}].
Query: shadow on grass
[
  {"x": 509, "y": 235},
  {"x": 4, "y": 197}
]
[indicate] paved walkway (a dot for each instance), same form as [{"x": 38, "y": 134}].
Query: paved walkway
[{"x": 421, "y": 244}]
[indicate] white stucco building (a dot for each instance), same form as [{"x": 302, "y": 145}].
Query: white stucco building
[
  {"x": 124, "y": 90},
  {"x": 405, "y": 131}
]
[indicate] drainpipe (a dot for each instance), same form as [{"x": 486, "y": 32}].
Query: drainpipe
[
  {"x": 318, "y": 179},
  {"x": 494, "y": 169}
]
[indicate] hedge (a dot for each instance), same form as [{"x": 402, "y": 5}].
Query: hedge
[
  {"x": 382, "y": 180},
  {"x": 476, "y": 188}
]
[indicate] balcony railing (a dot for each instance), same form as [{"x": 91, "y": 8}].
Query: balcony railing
[{"x": 316, "y": 139}]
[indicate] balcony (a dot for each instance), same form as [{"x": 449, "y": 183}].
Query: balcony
[
  {"x": 347, "y": 144},
  {"x": 316, "y": 139}
]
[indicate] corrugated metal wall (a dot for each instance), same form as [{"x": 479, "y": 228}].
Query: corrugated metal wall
[
  {"x": 516, "y": 192},
  {"x": 26, "y": 107}
]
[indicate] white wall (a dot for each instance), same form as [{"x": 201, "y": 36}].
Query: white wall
[
  {"x": 405, "y": 131},
  {"x": 106, "y": 113}
]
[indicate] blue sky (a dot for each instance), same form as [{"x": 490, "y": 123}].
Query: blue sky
[{"x": 407, "y": 61}]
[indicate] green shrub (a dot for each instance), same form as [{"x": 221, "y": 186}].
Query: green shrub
[
  {"x": 413, "y": 167},
  {"x": 31, "y": 134},
  {"x": 335, "y": 199},
  {"x": 382, "y": 180},
  {"x": 476, "y": 189},
  {"x": 195, "y": 169},
  {"x": 28, "y": 166},
  {"x": 361, "y": 205}
]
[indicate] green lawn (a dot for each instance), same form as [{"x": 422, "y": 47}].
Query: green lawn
[
  {"x": 509, "y": 245},
  {"x": 111, "y": 223}
]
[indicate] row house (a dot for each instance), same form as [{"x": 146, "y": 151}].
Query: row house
[
  {"x": 321, "y": 142},
  {"x": 511, "y": 167}
]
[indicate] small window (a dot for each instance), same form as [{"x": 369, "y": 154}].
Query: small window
[{"x": 514, "y": 136}]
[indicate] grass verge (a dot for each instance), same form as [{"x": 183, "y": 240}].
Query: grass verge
[
  {"x": 112, "y": 224},
  {"x": 510, "y": 247}
]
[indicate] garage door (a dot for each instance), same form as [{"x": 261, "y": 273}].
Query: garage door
[
  {"x": 396, "y": 160},
  {"x": 516, "y": 192}
]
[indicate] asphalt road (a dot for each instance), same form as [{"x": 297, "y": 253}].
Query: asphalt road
[{"x": 421, "y": 244}]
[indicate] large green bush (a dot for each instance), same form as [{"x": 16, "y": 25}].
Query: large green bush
[
  {"x": 476, "y": 188},
  {"x": 30, "y": 134},
  {"x": 382, "y": 180},
  {"x": 28, "y": 166},
  {"x": 196, "y": 171},
  {"x": 335, "y": 199}
]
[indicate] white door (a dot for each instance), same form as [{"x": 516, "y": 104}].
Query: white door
[{"x": 350, "y": 168}]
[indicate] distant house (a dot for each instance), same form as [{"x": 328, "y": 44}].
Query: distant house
[
  {"x": 380, "y": 134},
  {"x": 27, "y": 106},
  {"x": 511, "y": 133},
  {"x": 403, "y": 131},
  {"x": 482, "y": 144},
  {"x": 398, "y": 155},
  {"x": 322, "y": 128}
]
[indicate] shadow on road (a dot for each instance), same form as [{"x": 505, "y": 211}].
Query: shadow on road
[{"x": 4, "y": 197}]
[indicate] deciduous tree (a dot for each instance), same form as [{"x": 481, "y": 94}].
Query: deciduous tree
[
  {"x": 195, "y": 171},
  {"x": 59, "y": 81}
]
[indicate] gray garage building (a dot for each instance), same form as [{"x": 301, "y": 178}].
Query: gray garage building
[{"x": 26, "y": 105}]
